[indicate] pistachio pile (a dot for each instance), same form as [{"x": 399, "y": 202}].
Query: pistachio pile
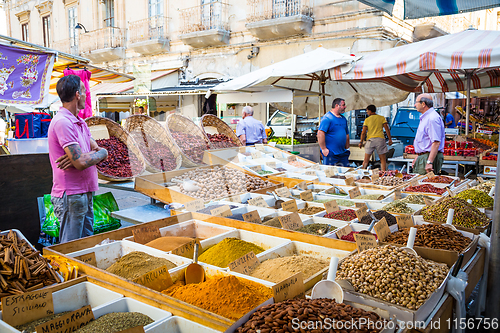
[
  {"x": 479, "y": 198},
  {"x": 466, "y": 215},
  {"x": 398, "y": 207},
  {"x": 391, "y": 274}
]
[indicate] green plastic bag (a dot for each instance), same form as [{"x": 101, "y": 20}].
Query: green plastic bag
[{"x": 103, "y": 205}]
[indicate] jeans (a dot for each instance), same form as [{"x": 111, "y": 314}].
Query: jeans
[
  {"x": 75, "y": 214},
  {"x": 339, "y": 160}
]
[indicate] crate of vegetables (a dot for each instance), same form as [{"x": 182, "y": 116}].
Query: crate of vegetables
[
  {"x": 125, "y": 160},
  {"x": 224, "y": 137}
]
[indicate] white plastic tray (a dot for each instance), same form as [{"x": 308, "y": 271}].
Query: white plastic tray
[{"x": 179, "y": 325}]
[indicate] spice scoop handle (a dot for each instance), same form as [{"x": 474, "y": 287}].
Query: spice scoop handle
[
  {"x": 458, "y": 264},
  {"x": 332, "y": 270},
  {"x": 402, "y": 169},
  {"x": 371, "y": 226},
  {"x": 449, "y": 218},
  {"x": 195, "y": 255},
  {"x": 467, "y": 174},
  {"x": 411, "y": 238}
]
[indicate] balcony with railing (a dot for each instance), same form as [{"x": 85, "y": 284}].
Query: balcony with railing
[
  {"x": 102, "y": 45},
  {"x": 68, "y": 45},
  {"x": 149, "y": 36},
  {"x": 205, "y": 25},
  {"x": 279, "y": 18}
]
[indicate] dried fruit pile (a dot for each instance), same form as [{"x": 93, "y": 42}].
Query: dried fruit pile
[
  {"x": 343, "y": 215},
  {"x": 156, "y": 153},
  {"x": 121, "y": 162},
  {"x": 439, "y": 179},
  {"x": 220, "y": 141},
  {"x": 379, "y": 214},
  {"x": 192, "y": 146},
  {"x": 466, "y": 215},
  {"x": 479, "y": 198},
  {"x": 427, "y": 188}
]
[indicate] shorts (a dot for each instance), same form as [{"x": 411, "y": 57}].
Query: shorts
[{"x": 376, "y": 143}]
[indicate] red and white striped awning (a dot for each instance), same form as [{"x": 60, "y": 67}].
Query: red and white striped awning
[{"x": 439, "y": 64}]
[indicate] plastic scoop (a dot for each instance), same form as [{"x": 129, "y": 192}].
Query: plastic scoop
[
  {"x": 449, "y": 218},
  {"x": 194, "y": 273},
  {"x": 492, "y": 191},
  {"x": 188, "y": 185},
  {"x": 369, "y": 231},
  {"x": 469, "y": 201},
  {"x": 411, "y": 241},
  {"x": 329, "y": 288}
]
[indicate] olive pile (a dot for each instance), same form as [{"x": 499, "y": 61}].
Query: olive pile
[
  {"x": 466, "y": 215},
  {"x": 479, "y": 198}
]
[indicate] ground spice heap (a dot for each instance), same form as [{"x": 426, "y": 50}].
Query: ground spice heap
[
  {"x": 31, "y": 326},
  {"x": 228, "y": 250},
  {"x": 168, "y": 243},
  {"x": 227, "y": 296},
  {"x": 272, "y": 222},
  {"x": 278, "y": 269},
  {"x": 466, "y": 215},
  {"x": 135, "y": 264},
  {"x": 368, "y": 197},
  {"x": 417, "y": 199},
  {"x": 318, "y": 229},
  {"x": 116, "y": 322},
  {"x": 311, "y": 210}
]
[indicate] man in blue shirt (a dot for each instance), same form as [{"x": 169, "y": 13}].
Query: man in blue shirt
[
  {"x": 333, "y": 135},
  {"x": 449, "y": 120},
  {"x": 249, "y": 130}
]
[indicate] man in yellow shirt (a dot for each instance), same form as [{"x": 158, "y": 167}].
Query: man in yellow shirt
[{"x": 375, "y": 124}]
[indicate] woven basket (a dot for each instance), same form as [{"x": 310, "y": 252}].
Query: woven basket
[
  {"x": 177, "y": 123},
  {"x": 222, "y": 128},
  {"x": 117, "y": 131},
  {"x": 139, "y": 124}
]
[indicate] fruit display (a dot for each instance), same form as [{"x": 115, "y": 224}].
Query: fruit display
[
  {"x": 466, "y": 215},
  {"x": 479, "y": 198},
  {"x": 192, "y": 146},
  {"x": 121, "y": 161},
  {"x": 220, "y": 141},
  {"x": 490, "y": 157},
  {"x": 410, "y": 149},
  {"x": 284, "y": 141},
  {"x": 427, "y": 188},
  {"x": 486, "y": 143}
]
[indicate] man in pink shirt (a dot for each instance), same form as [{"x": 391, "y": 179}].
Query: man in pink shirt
[{"x": 73, "y": 155}]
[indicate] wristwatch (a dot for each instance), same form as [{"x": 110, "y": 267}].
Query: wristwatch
[{"x": 429, "y": 162}]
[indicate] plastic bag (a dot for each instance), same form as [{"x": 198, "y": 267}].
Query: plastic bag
[{"x": 51, "y": 224}]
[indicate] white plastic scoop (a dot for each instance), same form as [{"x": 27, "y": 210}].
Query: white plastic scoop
[
  {"x": 492, "y": 192},
  {"x": 469, "y": 201},
  {"x": 329, "y": 288},
  {"x": 449, "y": 218},
  {"x": 411, "y": 241},
  {"x": 188, "y": 185},
  {"x": 402, "y": 169}
]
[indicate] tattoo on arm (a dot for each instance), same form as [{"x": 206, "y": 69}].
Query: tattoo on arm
[
  {"x": 95, "y": 158},
  {"x": 75, "y": 151}
]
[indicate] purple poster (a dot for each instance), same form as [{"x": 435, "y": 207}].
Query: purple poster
[{"x": 24, "y": 75}]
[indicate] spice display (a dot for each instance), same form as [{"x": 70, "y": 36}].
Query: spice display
[
  {"x": 192, "y": 146},
  {"x": 227, "y": 296},
  {"x": 393, "y": 173},
  {"x": 318, "y": 229},
  {"x": 208, "y": 209},
  {"x": 168, "y": 243},
  {"x": 22, "y": 267},
  {"x": 485, "y": 187},
  {"x": 278, "y": 317},
  {"x": 264, "y": 172},
  {"x": 135, "y": 264},
  {"x": 379, "y": 214},
  {"x": 368, "y": 197},
  {"x": 280, "y": 169},
  {"x": 343, "y": 215},
  {"x": 417, "y": 199},
  {"x": 345, "y": 203},
  {"x": 398, "y": 207},
  {"x": 115, "y": 322},
  {"x": 466, "y": 215},
  {"x": 439, "y": 179},
  {"x": 121, "y": 162},
  {"x": 220, "y": 141},
  {"x": 31, "y": 326},
  {"x": 220, "y": 182},
  {"x": 350, "y": 236},
  {"x": 228, "y": 250},
  {"x": 272, "y": 222},
  {"x": 393, "y": 275},
  {"x": 278, "y": 269},
  {"x": 427, "y": 188},
  {"x": 311, "y": 210},
  {"x": 479, "y": 198},
  {"x": 434, "y": 236},
  {"x": 238, "y": 217},
  {"x": 297, "y": 164},
  {"x": 156, "y": 153},
  {"x": 364, "y": 181},
  {"x": 389, "y": 181}
]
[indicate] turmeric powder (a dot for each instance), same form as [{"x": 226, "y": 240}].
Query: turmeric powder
[
  {"x": 227, "y": 296},
  {"x": 228, "y": 250}
]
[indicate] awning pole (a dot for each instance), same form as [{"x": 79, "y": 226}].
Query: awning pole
[
  {"x": 467, "y": 112},
  {"x": 293, "y": 122},
  {"x": 319, "y": 110}
]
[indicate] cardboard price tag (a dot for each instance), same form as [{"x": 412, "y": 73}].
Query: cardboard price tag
[
  {"x": 404, "y": 221},
  {"x": 355, "y": 192},
  {"x": 343, "y": 231},
  {"x": 27, "y": 307},
  {"x": 70, "y": 322},
  {"x": 382, "y": 229},
  {"x": 315, "y": 167},
  {"x": 430, "y": 174},
  {"x": 283, "y": 192},
  {"x": 271, "y": 164},
  {"x": 223, "y": 211},
  {"x": 349, "y": 181},
  {"x": 360, "y": 205},
  {"x": 245, "y": 264},
  {"x": 99, "y": 132},
  {"x": 374, "y": 177},
  {"x": 146, "y": 234},
  {"x": 259, "y": 202},
  {"x": 290, "y": 206},
  {"x": 291, "y": 158},
  {"x": 365, "y": 242},
  {"x": 291, "y": 221},
  {"x": 260, "y": 147},
  {"x": 310, "y": 173},
  {"x": 234, "y": 198},
  {"x": 277, "y": 154},
  {"x": 137, "y": 329},
  {"x": 195, "y": 205},
  {"x": 330, "y": 172},
  {"x": 302, "y": 185},
  {"x": 88, "y": 258},
  {"x": 307, "y": 195},
  {"x": 289, "y": 288},
  {"x": 331, "y": 206},
  {"x": 397, "y": 194},
  {"x": 158, "y": 279},
  {"x": 360, "y": 213},
  {"x": 187, "y": 250},
  {"x": 256, "y": 168},
  {"x": 256, "y": 154},
  {"x": 252, "y": 216}
]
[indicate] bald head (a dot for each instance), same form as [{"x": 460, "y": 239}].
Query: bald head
[{"x": 423, "y": 102}]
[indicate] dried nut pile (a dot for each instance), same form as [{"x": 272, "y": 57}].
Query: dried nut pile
[
  {"x": 343, "y": 215},
  {"x": 279, "y": 317},
  {"x": 368, "y": 197},
  {"x": 485, "y": 187},
  {"x": 434, "y": 236},
  {"x": 192, "y": 146},
  {"x": 318, "y": 229},
  {"x": 393, "y": 275},
  {"x": 398, "y": 207},
  {"x": 350, "y": 236},
  {"x": 220, "y": 141},
  {"x": 220, "y": 182},
  {"x": 439, "y": 179},
  {"x": 379, "y": 214},
  {"x": 389, "y": 181},
  {"x": 416, "y": 199},
  {"x": 427, "y": 188},
  {"x": 466, "y": 215},
  {"x": 156, "y": 153},
  {"x": 311, "y": 210},
  {"x": 479, "y": 198},
  {"x": 121, "y": 162}
]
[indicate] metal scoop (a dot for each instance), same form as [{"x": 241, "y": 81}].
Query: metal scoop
[
  {"x": 329, "y": 288},
  {"x": 277, "y": 199},
  {"x": 369, "y": 231},
  {"x": 467, "y": 174},
  {"x": 194, "y": 273},
  {"x": 451, "y": 184},
  {"x": 188, "y": 185},
  {"x": 411, "y": 241},
  {"x": 402, "y": 169}
]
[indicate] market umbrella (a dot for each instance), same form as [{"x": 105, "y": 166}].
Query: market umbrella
[{"x": 456, "y": 62}]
